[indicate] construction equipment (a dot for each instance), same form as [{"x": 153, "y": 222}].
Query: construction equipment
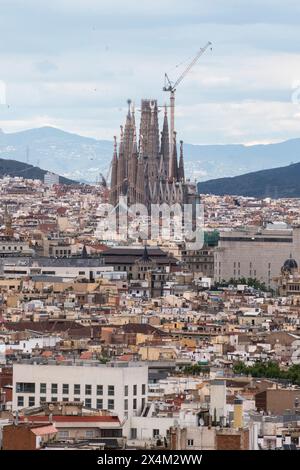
[
  {"x": 171, "y": 87},
  {"x": 104, "y": 179}
]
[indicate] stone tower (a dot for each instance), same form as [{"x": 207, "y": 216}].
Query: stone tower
[{"x": 144, "y": 171}]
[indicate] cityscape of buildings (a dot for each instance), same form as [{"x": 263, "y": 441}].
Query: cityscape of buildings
[
  {"x": 148, "y": 303},
  {"x": 147, "y": 344}
]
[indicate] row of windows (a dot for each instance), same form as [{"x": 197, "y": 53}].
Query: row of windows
[
  {"x": 155, "y": 433},
  {"x": 87, "y": 402},
  {"x": 29, "y": 387},
  {"x": 77, "y": 389},
  {"x": 90, "y": 433},
  {"x": 9, "y": 248},
  {"x": 294, "y": 287}
]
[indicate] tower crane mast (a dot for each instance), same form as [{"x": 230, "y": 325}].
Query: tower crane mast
[{"x": 171, "y": 87}]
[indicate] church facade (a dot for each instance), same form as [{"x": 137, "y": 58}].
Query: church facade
[{"x": 142, "y": 168}]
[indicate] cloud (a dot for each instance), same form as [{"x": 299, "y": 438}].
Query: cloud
[
  {"x": 74, "y": 64},
  {"x": 45, "y": 66}
]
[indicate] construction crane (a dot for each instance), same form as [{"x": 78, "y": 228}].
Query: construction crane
[
  {"x": 171, "y": 87},
  {"x": 104, "y": 179}
]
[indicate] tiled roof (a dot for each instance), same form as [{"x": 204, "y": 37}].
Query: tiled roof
[{"x": 43, "y": 430}]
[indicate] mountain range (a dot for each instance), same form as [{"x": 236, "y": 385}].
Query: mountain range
[
  {"x": 83, "y": 158},
  {"x": 283, "y": 182}
]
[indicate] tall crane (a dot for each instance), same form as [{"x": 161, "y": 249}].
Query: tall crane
[{"x": 171, "y": 87}]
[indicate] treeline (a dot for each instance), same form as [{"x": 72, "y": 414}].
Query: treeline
[
  {"x": 196, "y": 369},
  {"x": 269, "y": 370},
  {"x": 250, "y": 282}
]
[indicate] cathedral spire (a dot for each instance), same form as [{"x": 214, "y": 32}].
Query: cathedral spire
[
  {"x": 173, "y": 163},
  {"x": 114, "y": 173},
  {"x": 165, "y": 146},
  {"x": 181, "y": 164},
  {"x": 121, "y": 164},
  {"x": 140, "y": 180}
]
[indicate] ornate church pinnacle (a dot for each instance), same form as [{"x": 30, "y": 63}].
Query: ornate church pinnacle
[{"x": 129, "y": 106}]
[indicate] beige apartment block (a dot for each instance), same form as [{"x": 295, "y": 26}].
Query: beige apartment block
[{"x": 255, "y": 252}]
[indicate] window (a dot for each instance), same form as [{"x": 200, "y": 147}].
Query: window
[
  {"x": 43, "y": 400},
  {"x": 77, "y": 389},
  {"x": 133, "y": 433},
  {"x": 126, "y": 390},
  {"x": 25, "y": 387},
  {"x": 20, "y": 401},
  {"x": 54, "y": 399},
  {"x": 190, "y": 442},
  {"x": 99, "y": 389},
  {"x": 43, "y": 388},
  {"x": 63, "y": 435},
  {"x": 143, "y": 403},
  {"x": 111, "y": 390},
  {"x": 126, "y": 405},
  {"x": 88, "y": 403},
  {"x": 31, "y": 401},
  {"x": 65, "y": 399},
  {"x": 88, "y": 390},
  {"x": 143, "y": 389},
  {"x": 54, "y": 388},
  {"x": 89, "y": 433},
  {"x": 155, "y": 433},
  {"x": 99, "y": 404},
  {"x": 65, "y": 389},
  {"x": 111, "y": 404},
  {"x": 76, "y": 399},
  {"x": 134, "y": 404},
  {"x": 134, "y": 389}
]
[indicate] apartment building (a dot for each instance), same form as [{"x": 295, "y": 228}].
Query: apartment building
[{"x": 117, "y": 387}]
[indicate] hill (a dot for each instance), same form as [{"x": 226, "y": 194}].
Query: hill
[
  {"x": 15, "y": 168},
  {"x": 83, "y": 158},
  {"x": 276, "y": 183}
]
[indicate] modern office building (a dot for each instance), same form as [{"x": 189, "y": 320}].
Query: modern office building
[{"x": 255, "y": 253}]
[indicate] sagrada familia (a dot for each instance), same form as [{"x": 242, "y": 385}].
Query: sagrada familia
[{"x": 146, "y": 170}]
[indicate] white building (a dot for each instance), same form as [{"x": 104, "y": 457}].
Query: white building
[
  {"x": 51, "y": 179},
  {"x": 27, "y": 345},
  {"x": 118, "y": 387},
  {"x": 67, "y": 269}
]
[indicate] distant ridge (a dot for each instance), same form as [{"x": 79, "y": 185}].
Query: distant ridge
[
  {"x": 15, "y": 168},
  {"x": 83, "y": 158},
  {"x": 283, "y": 182}
]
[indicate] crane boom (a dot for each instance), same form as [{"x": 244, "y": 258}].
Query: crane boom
[
  {"x": 188, "y": 68},
  {"x": 172, "y": 88}
]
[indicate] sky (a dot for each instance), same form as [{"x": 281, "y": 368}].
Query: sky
[{"x": 73, "y": 64}]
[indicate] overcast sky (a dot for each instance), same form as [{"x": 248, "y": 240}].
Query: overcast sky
[{"x": 74, "y": 63}]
